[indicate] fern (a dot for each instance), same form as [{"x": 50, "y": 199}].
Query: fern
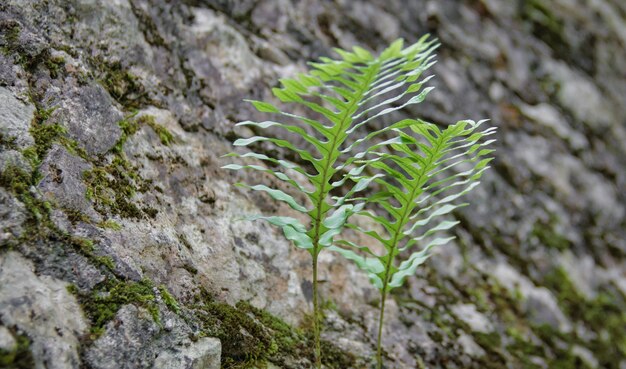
[
  {"x": 347, "y": 94},
  {"x": 420, "y": 183}
]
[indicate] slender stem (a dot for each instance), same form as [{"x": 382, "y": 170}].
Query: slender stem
[
  {"x": 316, "y": 316},
  {"x": 408, "y": 208},
  {"x": 326, "y": 175},
  {"x": 379, "y": 358}
]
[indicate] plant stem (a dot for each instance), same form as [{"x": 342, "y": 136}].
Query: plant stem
[
  {"x": 379, "y": 358},
  {"x": 316, "y": 316}
]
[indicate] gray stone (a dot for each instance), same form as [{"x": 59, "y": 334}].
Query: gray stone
[
  {"x": 15, "y": 119},
  {"x": 90, "y": 117},
  {"x": 585, "y": 355},
  {"x": 12, "y": 217},
  {"x": 63, "y": 183},
  {"x": 470, "y": 347},
  {"x": 472, "y": 317},
  {"x": 134, "y": 340},
  {"x": 121, "y": 346},
  {"x": 7, "y": 341},
  {"x": 550, "y": 117},
  {"x": 43, "y": 308},
  {"x": 7, "y": 74},
  {"x": 582, "y": 97},
  {"x": 538, "y": 302},
  {"x": 203, "y": 354}
]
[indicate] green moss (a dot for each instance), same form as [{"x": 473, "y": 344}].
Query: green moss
[
  {"x": 55, "y": 65},
  {"x": 8, "y": 142},
  {"x": 84, "y": 244},
  {"x": 11, "y": 32},
  {"x": 45, "y": 135},
  {"x": 168, "y": 299},
  {"x": 110, "y": 224},
  {"x": 19, "y": 182},
  {"x": 252, "y": 337},
  {"x": 101, "y": 304},
  {"x": 76, "y": 216},
  {"x": 164, "y": 135},
  {"x": 549, "y": 237},
  {"x": 20, "y": 357},
  {"x": 605, "y": 315},
  {"x": 541, "y": 14},
  {"x": 244, "y": 340},
  {"x": 129, "y": 127},
  {"x": 123, "y": 86},
  {"x": 106, "y": 261},
  {"x": 112, "y": 187}
]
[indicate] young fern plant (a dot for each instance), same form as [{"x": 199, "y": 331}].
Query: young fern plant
[
  {"x": 346, "y": 93},
  {"x": 422, "y": 174}
]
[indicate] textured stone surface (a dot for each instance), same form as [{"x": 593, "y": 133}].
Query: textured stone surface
[
  {"x": 62, "y": 180},
  {"x": 535, "y": 278},
  {"x": 7, "y": 341},
  {"x": 16, "y": 117},
  {"x": 204, "y": 354},
  {"x": 133, "y": 340},
  {"x": 43, "y": 309}
]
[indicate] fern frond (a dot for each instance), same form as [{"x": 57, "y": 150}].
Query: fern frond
[
  {"x": 420, "y": 186},
  {"x": 345, "y": 93}
]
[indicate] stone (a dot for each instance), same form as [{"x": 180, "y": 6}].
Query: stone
[
  {"x": 7, "y": 341},
  {"x": 231, "y": 61},
  {"x": 16, "y": 118},
  {"x": 586, "y": 356},
  {"x": 44, "y": 310},
  {"x": 470, "y": 347},
  {"x": 550, "y": 117},
  {"x": 582, "y": 97},
  {"x": 90, "y": 117},
  {"x": 203, "y": 354},
  {"x": 477, "y": 321},
  {"x": 7, "y": 74},
  {"x": 12, "y": 217},
  {"x": 538, "y": 302},
  {"x": 62, "y": 181}
]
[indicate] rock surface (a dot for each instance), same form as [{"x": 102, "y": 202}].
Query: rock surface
[{"x": 120, "y": 240}]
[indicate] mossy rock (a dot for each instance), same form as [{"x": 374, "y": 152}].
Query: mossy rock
[
  {"x": 20, "y": 356},
  {"x": 252, "y": 338}
]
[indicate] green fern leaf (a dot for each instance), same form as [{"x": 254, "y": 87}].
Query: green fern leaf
[{"x": 421, "y": 179}]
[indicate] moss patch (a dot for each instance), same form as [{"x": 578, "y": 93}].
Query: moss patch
[
  {"x": 110, "y": 224},
  {"x": 20, "y": 357},
  {"x": 55, "y": 65},
  {"x": 11, "y": 30},
  {"x": 19, "y": 182},
  {"x": 605, "y": 315},
  {"x": 251, "y": 338},
  {"x": 101, "y": 304},
  {"x": 165, "y": 136},
  {"x": 111, "y": 186},
  {"x": 548, "y": 237},
  {"x": 124, "y": 86}
]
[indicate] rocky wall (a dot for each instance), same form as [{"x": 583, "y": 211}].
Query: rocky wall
[{"x": 121, "y": 244}]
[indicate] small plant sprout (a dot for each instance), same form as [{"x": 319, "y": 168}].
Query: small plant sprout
[
  {"x": 339, "y": 96},
  {"x": 421, "y": 173}
]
